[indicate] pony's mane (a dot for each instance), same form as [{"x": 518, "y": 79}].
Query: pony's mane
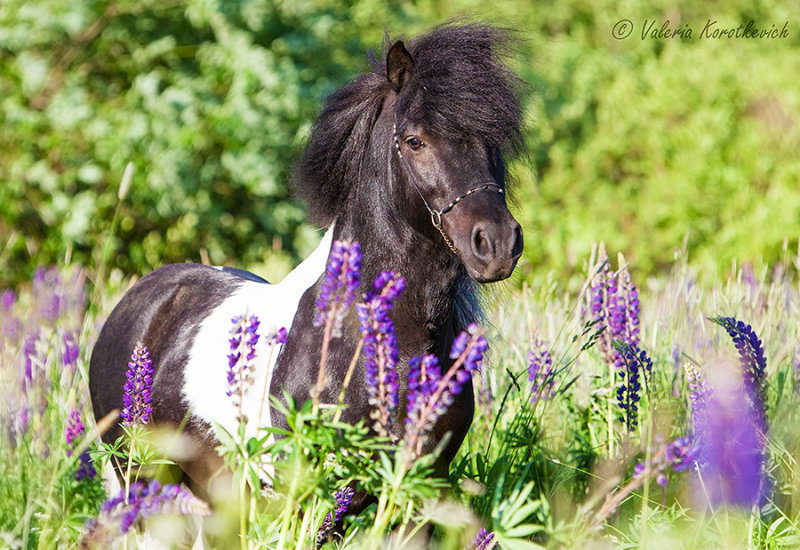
[{"x": 461, "y": 89}]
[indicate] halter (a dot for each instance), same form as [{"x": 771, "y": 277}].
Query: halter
[{"x": 436, "y": 215}]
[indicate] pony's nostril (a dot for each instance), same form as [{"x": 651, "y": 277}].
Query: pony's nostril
[
  {"x": 481, "y": 245},
  {"x": 516, "y": 250}
]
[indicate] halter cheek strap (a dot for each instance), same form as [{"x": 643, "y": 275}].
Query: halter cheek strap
[{"x": 436, "y": 215}]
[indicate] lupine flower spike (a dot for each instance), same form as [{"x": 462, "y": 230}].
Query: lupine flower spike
[
  {"x": 85, "y": 469},
  {"x": 243, "y": 340},
  {"x": 74, "y": 430},
  {"x": 380, "y": 347},
  {"x": 338, "y": 290},
  {"x": 614, "y": 301},
  {"x": 635, "y": 361},
  {"x": 732, "y": 447},
  {"x": 679, "y": 455},
  {"x": 137, "y": 400},
  {"x": 336, "y": 295},
  {"x": 699, "y": 395},
  {"x": 143, "y": 501},
  {"x": 627, "y": 303},
  {"x": 430, "y": 393},
  {"x": 601, "y": 296},
  {"x": 343, "y": 498},
  {"x": 540, "y": 372},
  {"x": 753, "y": 362},
  {"x": 71, "y": 351},
  {"x": 484, "y": 540},
  {"x": 72, "y": 434}
]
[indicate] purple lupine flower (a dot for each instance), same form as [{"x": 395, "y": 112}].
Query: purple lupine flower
[
  {"x": 339, "y": 285},
  {"x": 679, "y": 455},
  {"x": 614, "y": 319},
  {"x": 19, "y": 424},
  {"x": 732, "y": 446},
  {"x": 484, "y": 540},
  {"x": 628, "y": 392},
  {"x": 71, "y": 351},
  {"x": 85, "y": 469},
  {"x": 676, "y": 357},
  {"x": 753, "y": 362},
  {"x": 23, "y": 418},
  {"x": 343, "y": 498},
  {"x": 48, "y": 290},
  {"x": 7, "y": 300},
  {"x": 74, "y": 430},
  {"x": 149, "y": 500},
  {"x": 430, "y": 393},
  {"x": 281, "y": 336},
  {"x": 56, "y": 296},
  {"x": 614, "y": 302},
  {"x": 478, "y": 346},
  {"x": 137, "y": 401},
  {"x": 597, "y": 297},
  {"x": 31, "y": 360},
  {"x": 540, "y": 372},
  {"x": 424, "y": 374},
  {"x": 699, "y": 395},
  {"x": 380, "y": 347},
  {"x": 243, "y": 339},
  {"x": 12, "y": 327},
  {"x": 628, "y": 303},
  {"x": 603, "y": 300}
]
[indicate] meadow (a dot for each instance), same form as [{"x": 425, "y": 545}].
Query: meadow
[{"x": 619, "y": 416}]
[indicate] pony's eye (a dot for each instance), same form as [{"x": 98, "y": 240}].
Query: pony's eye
[{"x": 415, "y": 143}]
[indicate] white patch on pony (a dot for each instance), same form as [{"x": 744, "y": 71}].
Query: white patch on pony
[{"x": 205, "y": 376}]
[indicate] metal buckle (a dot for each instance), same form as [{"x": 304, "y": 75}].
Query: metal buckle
[{"x": 436, "y": 219}]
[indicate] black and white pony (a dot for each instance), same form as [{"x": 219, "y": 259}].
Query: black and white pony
[{"x": 408, "y": 160}]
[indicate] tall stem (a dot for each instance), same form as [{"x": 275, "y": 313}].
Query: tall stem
[
  {"x": 323, "y": 358},
  {"x": 610, "y": 412},
  {"x": 242, "y": 515},
  {"x": 347, "y": 378}
]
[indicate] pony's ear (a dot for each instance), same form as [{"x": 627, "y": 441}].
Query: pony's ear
[{"x": 399, "y": 66}]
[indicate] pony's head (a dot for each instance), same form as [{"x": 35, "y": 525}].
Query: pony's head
[{"x": 426, "y": 133}]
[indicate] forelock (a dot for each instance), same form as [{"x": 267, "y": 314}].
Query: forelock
[{"x": 462, "y": 88}]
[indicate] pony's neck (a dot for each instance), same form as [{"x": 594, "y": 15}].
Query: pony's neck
[
  {"x": 433, "y": 275},
  {"x": 439, "y": 295}
]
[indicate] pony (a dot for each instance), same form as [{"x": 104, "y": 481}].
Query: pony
[{"x": 408, "y": 159}]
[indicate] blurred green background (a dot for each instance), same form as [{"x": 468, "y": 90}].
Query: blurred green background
[{"x": 651, "y": 144}]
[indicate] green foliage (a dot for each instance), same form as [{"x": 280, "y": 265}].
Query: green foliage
[
  {"x": 643, "y": 142},
  {"x": 209, "y": 100}
]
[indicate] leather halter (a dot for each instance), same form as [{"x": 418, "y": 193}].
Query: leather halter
[{"x": 436, "y": 215}]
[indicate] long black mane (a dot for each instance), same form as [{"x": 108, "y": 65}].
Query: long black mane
[{"x": 469, "y": 95}]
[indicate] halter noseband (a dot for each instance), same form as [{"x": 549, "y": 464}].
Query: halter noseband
[{"x": 436, "y": 215}]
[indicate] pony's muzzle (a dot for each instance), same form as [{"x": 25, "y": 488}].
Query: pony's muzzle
[{"x": 494, "y": 250}]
